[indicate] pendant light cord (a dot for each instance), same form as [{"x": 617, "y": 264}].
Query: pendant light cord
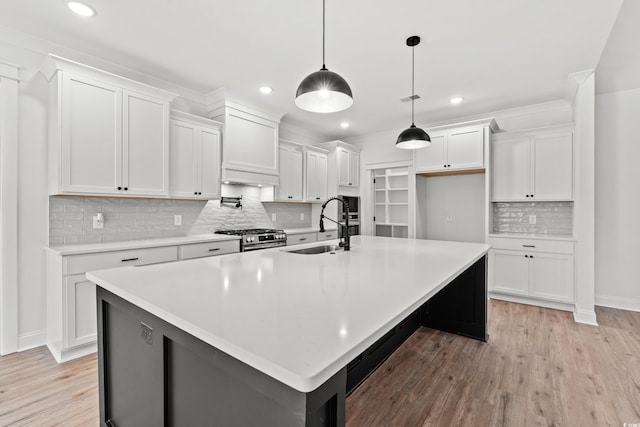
[
  {"x": 413, "y": 80},
  {"x": 323, "y": 19}
]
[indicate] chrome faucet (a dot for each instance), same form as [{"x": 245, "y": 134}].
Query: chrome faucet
[{"x": 345, "y": 240}]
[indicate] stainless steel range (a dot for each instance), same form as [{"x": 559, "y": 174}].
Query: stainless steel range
[{"x": 258, "y": 238}]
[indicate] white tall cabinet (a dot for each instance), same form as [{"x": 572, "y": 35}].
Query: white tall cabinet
[
  {"x": 108, "y": 135},
  {"x": 195, "y": 157}
]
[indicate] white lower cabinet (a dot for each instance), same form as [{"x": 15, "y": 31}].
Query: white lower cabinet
[
  {"x": 533, "y": 270},
  {"x": 81, "y": 315},
  {"x": 71, "y": 298}
]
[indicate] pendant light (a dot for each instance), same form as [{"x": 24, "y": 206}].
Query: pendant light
[
  {"x": 413, "y": 137},
  {"x": 324, "y": 91}
]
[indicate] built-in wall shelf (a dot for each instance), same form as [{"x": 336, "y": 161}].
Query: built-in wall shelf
[{"x": 391, "y": 202}]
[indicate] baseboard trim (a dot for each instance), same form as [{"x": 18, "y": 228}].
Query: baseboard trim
[
  {"x": 32, "y": 340},
  {"x": 585, "y": 316},
  {"x": 618, "y": 302},
  {"x": 532, "y": 301}
]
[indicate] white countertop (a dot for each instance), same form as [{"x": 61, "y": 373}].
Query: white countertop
[
  {"x": 297, "y": 318},
  {"x": 138, "y": 244}
]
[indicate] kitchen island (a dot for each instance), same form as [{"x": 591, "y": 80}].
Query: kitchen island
[{"x": 271, "y": 337}]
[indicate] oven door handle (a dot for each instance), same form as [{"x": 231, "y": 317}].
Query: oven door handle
[{"x": 257, "y": 247}]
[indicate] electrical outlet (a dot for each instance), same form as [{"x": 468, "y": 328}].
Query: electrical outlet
[
  {"x": 98, "y": 220},
  {"x": 147, "y": 333},
  {"x": 449, "y": 218},
  {"x": 273, "y": 217},
  {"x": 177, "y": 220},
  {"x": 532, "y": 219},
  {"x": 301, "y": 216}
]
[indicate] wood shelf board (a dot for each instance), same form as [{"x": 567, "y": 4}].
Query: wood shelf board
[{"x": 452, "y": 173}]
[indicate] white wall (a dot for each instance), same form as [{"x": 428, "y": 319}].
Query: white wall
[
  {"x": 617, "y": 203},
  {"x": 453, "y": 207}
]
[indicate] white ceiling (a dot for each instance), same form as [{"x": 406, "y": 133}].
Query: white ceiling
[{"x": 497, "y": 54}]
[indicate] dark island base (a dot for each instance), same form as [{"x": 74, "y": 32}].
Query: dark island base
[{"x": 154, "y": 374}]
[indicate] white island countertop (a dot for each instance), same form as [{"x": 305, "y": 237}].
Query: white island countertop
[{"x": 297, "y": 318}]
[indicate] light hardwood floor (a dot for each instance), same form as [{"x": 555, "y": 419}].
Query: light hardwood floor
[{"x": 539, "y": 368}]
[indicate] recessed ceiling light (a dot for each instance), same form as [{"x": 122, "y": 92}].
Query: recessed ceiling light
[
  {"x": 456, "y": 100},
  {"x": 81, "y": 8},
  {"x": 345, "y": 125},
  {"x": 266, "y": 90}
]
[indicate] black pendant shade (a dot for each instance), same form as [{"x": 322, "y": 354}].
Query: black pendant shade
[
  {"x": 413, "y": 137},
  {"x": 324, "y": 91}
]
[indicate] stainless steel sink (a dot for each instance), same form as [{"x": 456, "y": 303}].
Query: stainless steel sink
[{"x": 316, "y": 250}]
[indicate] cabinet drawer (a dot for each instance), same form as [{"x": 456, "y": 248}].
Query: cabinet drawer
[
  {"x": 328, "y": 235},
  {"x": 533, "y": 245},
  {"x": 83, "y": 263},
  {"x": 295, "y": 239},
  {"x": 200, "y": 250}
]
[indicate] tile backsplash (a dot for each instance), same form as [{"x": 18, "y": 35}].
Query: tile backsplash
[
  {"x": 552, "y": 218},
  {"x": 71, "y": 217}
]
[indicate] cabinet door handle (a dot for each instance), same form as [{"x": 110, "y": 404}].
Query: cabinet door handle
[
  {"x": 328, "y": 235},
  {"x": 528, "y": 246},
  {"x": 303, "y": 239},
  {"x": 214, "y": 249},
  {"x": 129, "y": 259}
]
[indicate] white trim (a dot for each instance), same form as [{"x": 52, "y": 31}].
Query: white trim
[
  {"x": 618, "y": 302},
  {"x": 390, "y": 165},
  {"x": 531, "y": 301},
  {"x": 586, "y": 317},
  {"x": 32, "y": 340},
  {"x": 9, "y": 341}
]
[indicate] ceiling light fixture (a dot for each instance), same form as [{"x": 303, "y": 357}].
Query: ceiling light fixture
[
  {"x": 413, "y": 137},
  {"x": 324, "y": 91},
  {"x": 81, "y": 9},
  {"x": 456, "y": 100},
  {"x": 266, "y": 90},
  {"x": 345, "y": 125}
]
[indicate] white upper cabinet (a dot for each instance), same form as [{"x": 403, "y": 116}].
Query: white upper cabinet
[
  {"x": 250, "y": 145},
  {"x": 290, "y": 188},
  {"x": 195, "y": 157},
  {"x": 348, "y": 167},
  {"x": 107, "y": 134},
  {"x": 315, "y": 175},
  {"x": 145, "y": 145},
  {"x": 534, "y": 165},
  {"x": 459, "y": 148}
]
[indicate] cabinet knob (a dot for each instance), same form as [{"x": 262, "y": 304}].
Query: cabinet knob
[
  {"x": 195, "y": 192},
  {"x": 526, "y": 256},
  {"x": 527, "y": 195},
  {"x": 530, "y": 256},
  {"x": 532, "y": 195},
  {"x": 317, "y": 198},
  {"x": 119, "y": 188},
  {"x": 126, "y": 188}
]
